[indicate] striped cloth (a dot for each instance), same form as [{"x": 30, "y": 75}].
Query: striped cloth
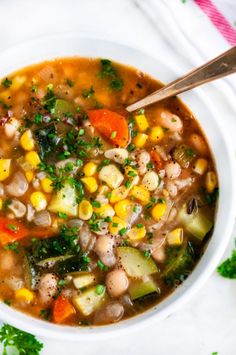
[{"x": 218, "y": 20}]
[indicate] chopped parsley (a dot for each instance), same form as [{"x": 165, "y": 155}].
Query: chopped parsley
[
  {"x": 108, "y": 71},
  {"x": 70, "y": 83},
  {"x": 6, "y": 83},
  {"x": 228, "y": 267},
  {"x": 102, "y": 266},
  {"x": 87, "y": 93},
  {"x": 12, "y": 246}
]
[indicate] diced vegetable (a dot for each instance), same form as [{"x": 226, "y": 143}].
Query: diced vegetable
[
  {"x": 140, "y": 140},
  {"x": 141, "y": 122},
  {"x": 159, "y": 210},
  {"x": 90, "y": 184},
  {"x": 135, "y": 263},
  {"x": 83, "y": 279},
  {"x": 156, "y": 134},
  {"x": 179, "y": 263},
  {"x": 157, "y": 160},
  {"x": 47, "y": 140},
  {"x": 184, "y": 155},
  {"x": 62, "y": 107},
  {"x": 89, "y": 301},
  {"x": 64, "y": 201},
  {"x": 111, "y": 175},
  {"x": 200, "y": 166},
  {"x": 5, "y": 165},
  {"x": 198, "y": 224},
  {"x": 62, "y": 310},
  {"x": 27, "y": 141},
  {"x": 11, "y": 230},
  {"x": 50, "y": 262},
  {"x": 31, "y": 272},
  {"x": 23, "y": 294},
  {"x": 175, "y": 237},
  {"x": 141, "y": 288},
  {"x": 106, "y": 122},
  {"x": 211, "y": 181},
  {"x": 140, "y": 193}
]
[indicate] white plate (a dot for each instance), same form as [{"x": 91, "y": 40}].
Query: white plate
[{"x": 72, "y": 45}]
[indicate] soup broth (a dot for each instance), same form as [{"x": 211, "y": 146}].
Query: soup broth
[{"x": 103, "y": 213}]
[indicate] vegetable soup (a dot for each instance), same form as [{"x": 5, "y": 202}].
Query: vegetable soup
[{"x": 103, "y": 213}]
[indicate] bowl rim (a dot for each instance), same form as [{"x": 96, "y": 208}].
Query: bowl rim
[{"x": 190, "y": 286}]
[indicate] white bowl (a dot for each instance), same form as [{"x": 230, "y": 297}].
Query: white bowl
[{"x": 72, "y": 45}]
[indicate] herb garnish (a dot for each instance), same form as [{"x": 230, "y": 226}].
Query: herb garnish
[
  {"x": 7, "y": 83},
  {"x": 108, "y": 71},
  {"x": 24, "y": 342},
  {"x": 228, "y": 267}
]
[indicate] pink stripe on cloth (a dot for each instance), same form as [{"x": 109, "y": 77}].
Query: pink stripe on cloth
[{"x": 218, "y": 20}]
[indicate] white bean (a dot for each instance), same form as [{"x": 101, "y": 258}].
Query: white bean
[
  {"x": 47, "y": 287},
  {"x": 11, "y": 127},
  {"x": 18, "y": 185},
  {"x": 18, "y": 208},
  {"x": 117, "y": 283},
  {"x": 104, "y": 249},
  {"x": 150, "y": 181},
  {"x": 117, "y": 154},
  {"x": 42, "y": 219},
  {"x": 111, "y": 313},
  {"x": 143, "y": 160},
  {"x": 198, "y": 143},
  {"x": 173, "y": 170},
  {"x": 170, "y": 121}
]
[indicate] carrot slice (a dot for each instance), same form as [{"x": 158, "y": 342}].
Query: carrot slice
[
  {"x": 62, "y": 310},
  {"x": 11, "y": 230},
  {"x": 157, "y": 160},
  {"x": 110, "y": 125}
]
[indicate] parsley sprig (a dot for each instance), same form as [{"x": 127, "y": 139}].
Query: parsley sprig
[{"x": 25, "y": 343}]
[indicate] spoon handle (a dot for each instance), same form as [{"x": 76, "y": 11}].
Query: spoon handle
[{"x": 216, "y": 68}]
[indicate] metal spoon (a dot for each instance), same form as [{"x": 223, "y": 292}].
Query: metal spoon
[{"x": 216, "y": 68}]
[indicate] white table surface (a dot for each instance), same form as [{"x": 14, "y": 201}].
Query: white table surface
[{"x": 208, "y": 322}]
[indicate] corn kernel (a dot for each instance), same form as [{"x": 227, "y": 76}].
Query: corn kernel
[
  {"x": 38, "y": 200},
  {"x": 140, "y": 140},
  {"x": 90, "y": 169},
  {"x": 119, "y": 194},
  {"x": 1, "y": 203},
  {"x": 85, "y": 210},
  {"x": 46, "y": 184},
  {"x": 33, "y": 158},
  {"x": 156, "y": 134},
  {"x": 136, "y": 233},
  {"x": 200, "y": 166},
  {"x": 211, "y": 181},
  {"x": 104, "y": 211},
  {"x": 103, "y": 190},
  {"x": 90, "y": 183},
  {"x": 5, "y": 165},
  {"x": 175, "y": 237},
  {"x": 140, "y": 193},
  {"x": 29, "y": 175},
  {"x": 27, "y": 141},
  {"x": 116, "y": 225},
  {"x": 122, "y": 208},
  {"x": 141, "y": 122},
  {"x": 24, "y": 294},
  {"x": 159, "y": 210}
]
